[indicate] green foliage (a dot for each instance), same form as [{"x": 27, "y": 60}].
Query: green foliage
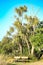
[
  {"x": 37, "y": 40},
  {"x": 25, "y": 51}
]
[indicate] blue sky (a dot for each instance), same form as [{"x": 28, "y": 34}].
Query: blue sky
[{"x": 7, "y": 12}]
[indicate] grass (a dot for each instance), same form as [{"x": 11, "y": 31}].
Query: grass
[
  {"x": 10, "y": 61},
  {"x": 30, "y": 63},
  {"x": 40, "y": 62},
  {"x": 11, "y": 64}
]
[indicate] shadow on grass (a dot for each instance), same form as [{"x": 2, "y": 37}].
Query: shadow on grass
[{"x": 11, "y": 64}]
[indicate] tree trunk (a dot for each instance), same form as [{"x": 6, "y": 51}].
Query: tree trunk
[
  {"x": 32, "y": 50},
  {"x": 20, "y": 48},
  {"x": 27, "y": 45},
  {"x": 34, "y": 28}
]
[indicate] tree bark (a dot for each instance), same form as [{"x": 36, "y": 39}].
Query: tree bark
[
  {"x": 27, "y": 45},
  {"x": 32, "y": 50},
  {"x": 20, "y": 48}
]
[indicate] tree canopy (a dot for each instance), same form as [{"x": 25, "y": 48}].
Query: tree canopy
[{"x": 28, "y": 38}]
